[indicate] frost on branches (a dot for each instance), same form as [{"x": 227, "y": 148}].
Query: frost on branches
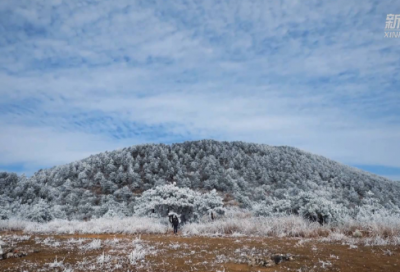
[{"x": 190, "y": 205}]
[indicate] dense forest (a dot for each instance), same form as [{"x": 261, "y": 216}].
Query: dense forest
[{"x": 263, "y": 179}]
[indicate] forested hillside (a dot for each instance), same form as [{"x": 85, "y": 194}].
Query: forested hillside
[{"x": 264, "y": 179}]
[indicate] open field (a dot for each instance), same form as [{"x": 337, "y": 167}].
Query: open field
[{"x": 167, "y": 252}]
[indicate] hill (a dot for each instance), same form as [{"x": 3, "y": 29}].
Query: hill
[{"x": 264, "y": 179}]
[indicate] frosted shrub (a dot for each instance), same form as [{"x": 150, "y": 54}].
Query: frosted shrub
[
  {"x": 137, "y": 254},
  {"x": 357, "y": 233},
  {"x": 289, "y": 226},
  {"x": 323, "y": 211},
  {"x": 95, "y": 244},
  {"x": 175, "y": 245},
  {"x": 21, "y": 237},
  {"x": 137, "y": 240},
  {"x": 396, "y": 240},
  {"x": 49, "y": 241},
  {"x": 130, "y": 225},
  {"x": 112, "y": 242},
  {"x": 376, "y": 241},
  {"x": 334, "y": 237},
  {"x": 325, "y": 265},
  {"x": 103, "y": 258},
  {"x": 76, "y": 241},
  {"x": 39, "y": 212},
  {"x": 12, "y": 224},
  {"x": 56, "y": 264},
  {"x": 262, "y": 209},
  {"x": 275, "y": 207}
]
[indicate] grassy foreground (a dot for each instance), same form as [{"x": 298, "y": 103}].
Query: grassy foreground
[{"x": 167, "y": 252}]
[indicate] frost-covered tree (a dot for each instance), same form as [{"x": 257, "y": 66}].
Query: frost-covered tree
[
  {"x": 39, "y": 212},
  {"x": 191, "y": 205},
  {"x": 124, "y": 194},
  {"x": 235, "y": 169}
]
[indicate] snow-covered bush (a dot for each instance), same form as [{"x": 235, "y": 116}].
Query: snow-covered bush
[
  {"x": 191, "y": 205},
  {"x": 129, "y": 225},
  {"x": 13, "y": 224},
  {"x": 140, "y": 251},
  {"x": 39, "y": 212},
  {"x": 56, "y": 264},
  {"x": 262, "y": 209},
  {"x": 93, "y": 245},
  {"x": 322, "y": 211},
  {"x": 137, "y": 254},
  {"x": 288, "y": 226},
  {"x": 103, "y": 259},
  {"x": 274, "y": 207}
]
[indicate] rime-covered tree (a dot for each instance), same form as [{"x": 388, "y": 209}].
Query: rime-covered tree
[{"x": 191, "y": 205}]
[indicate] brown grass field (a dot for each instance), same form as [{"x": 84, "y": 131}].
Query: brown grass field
[{"x": 177, "y": 253}]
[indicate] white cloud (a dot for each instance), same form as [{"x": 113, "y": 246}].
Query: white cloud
[
  {"x": 43, "y": 146},
  {"x": 321, "y": 79}
]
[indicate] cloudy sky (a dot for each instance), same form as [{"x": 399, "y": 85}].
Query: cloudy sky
[{"x": 82, "y": 77}]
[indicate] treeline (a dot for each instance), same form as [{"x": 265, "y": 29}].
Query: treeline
[{"x": 261, "y": 178}]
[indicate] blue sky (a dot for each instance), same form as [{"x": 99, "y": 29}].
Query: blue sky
[{"x": 82, "y": 77}]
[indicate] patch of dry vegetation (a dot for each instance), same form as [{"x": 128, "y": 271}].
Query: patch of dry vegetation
[
  {"x": 167, "y": 252},
  {"x": 375, "y": 231}
]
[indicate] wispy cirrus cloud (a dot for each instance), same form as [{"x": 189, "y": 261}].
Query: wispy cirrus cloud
[{"x": 86, "y": 76}]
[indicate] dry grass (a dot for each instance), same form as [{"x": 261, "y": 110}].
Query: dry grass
[
  {"x": 383, "y": 230},
  {"x": 178, "y": 253}
]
